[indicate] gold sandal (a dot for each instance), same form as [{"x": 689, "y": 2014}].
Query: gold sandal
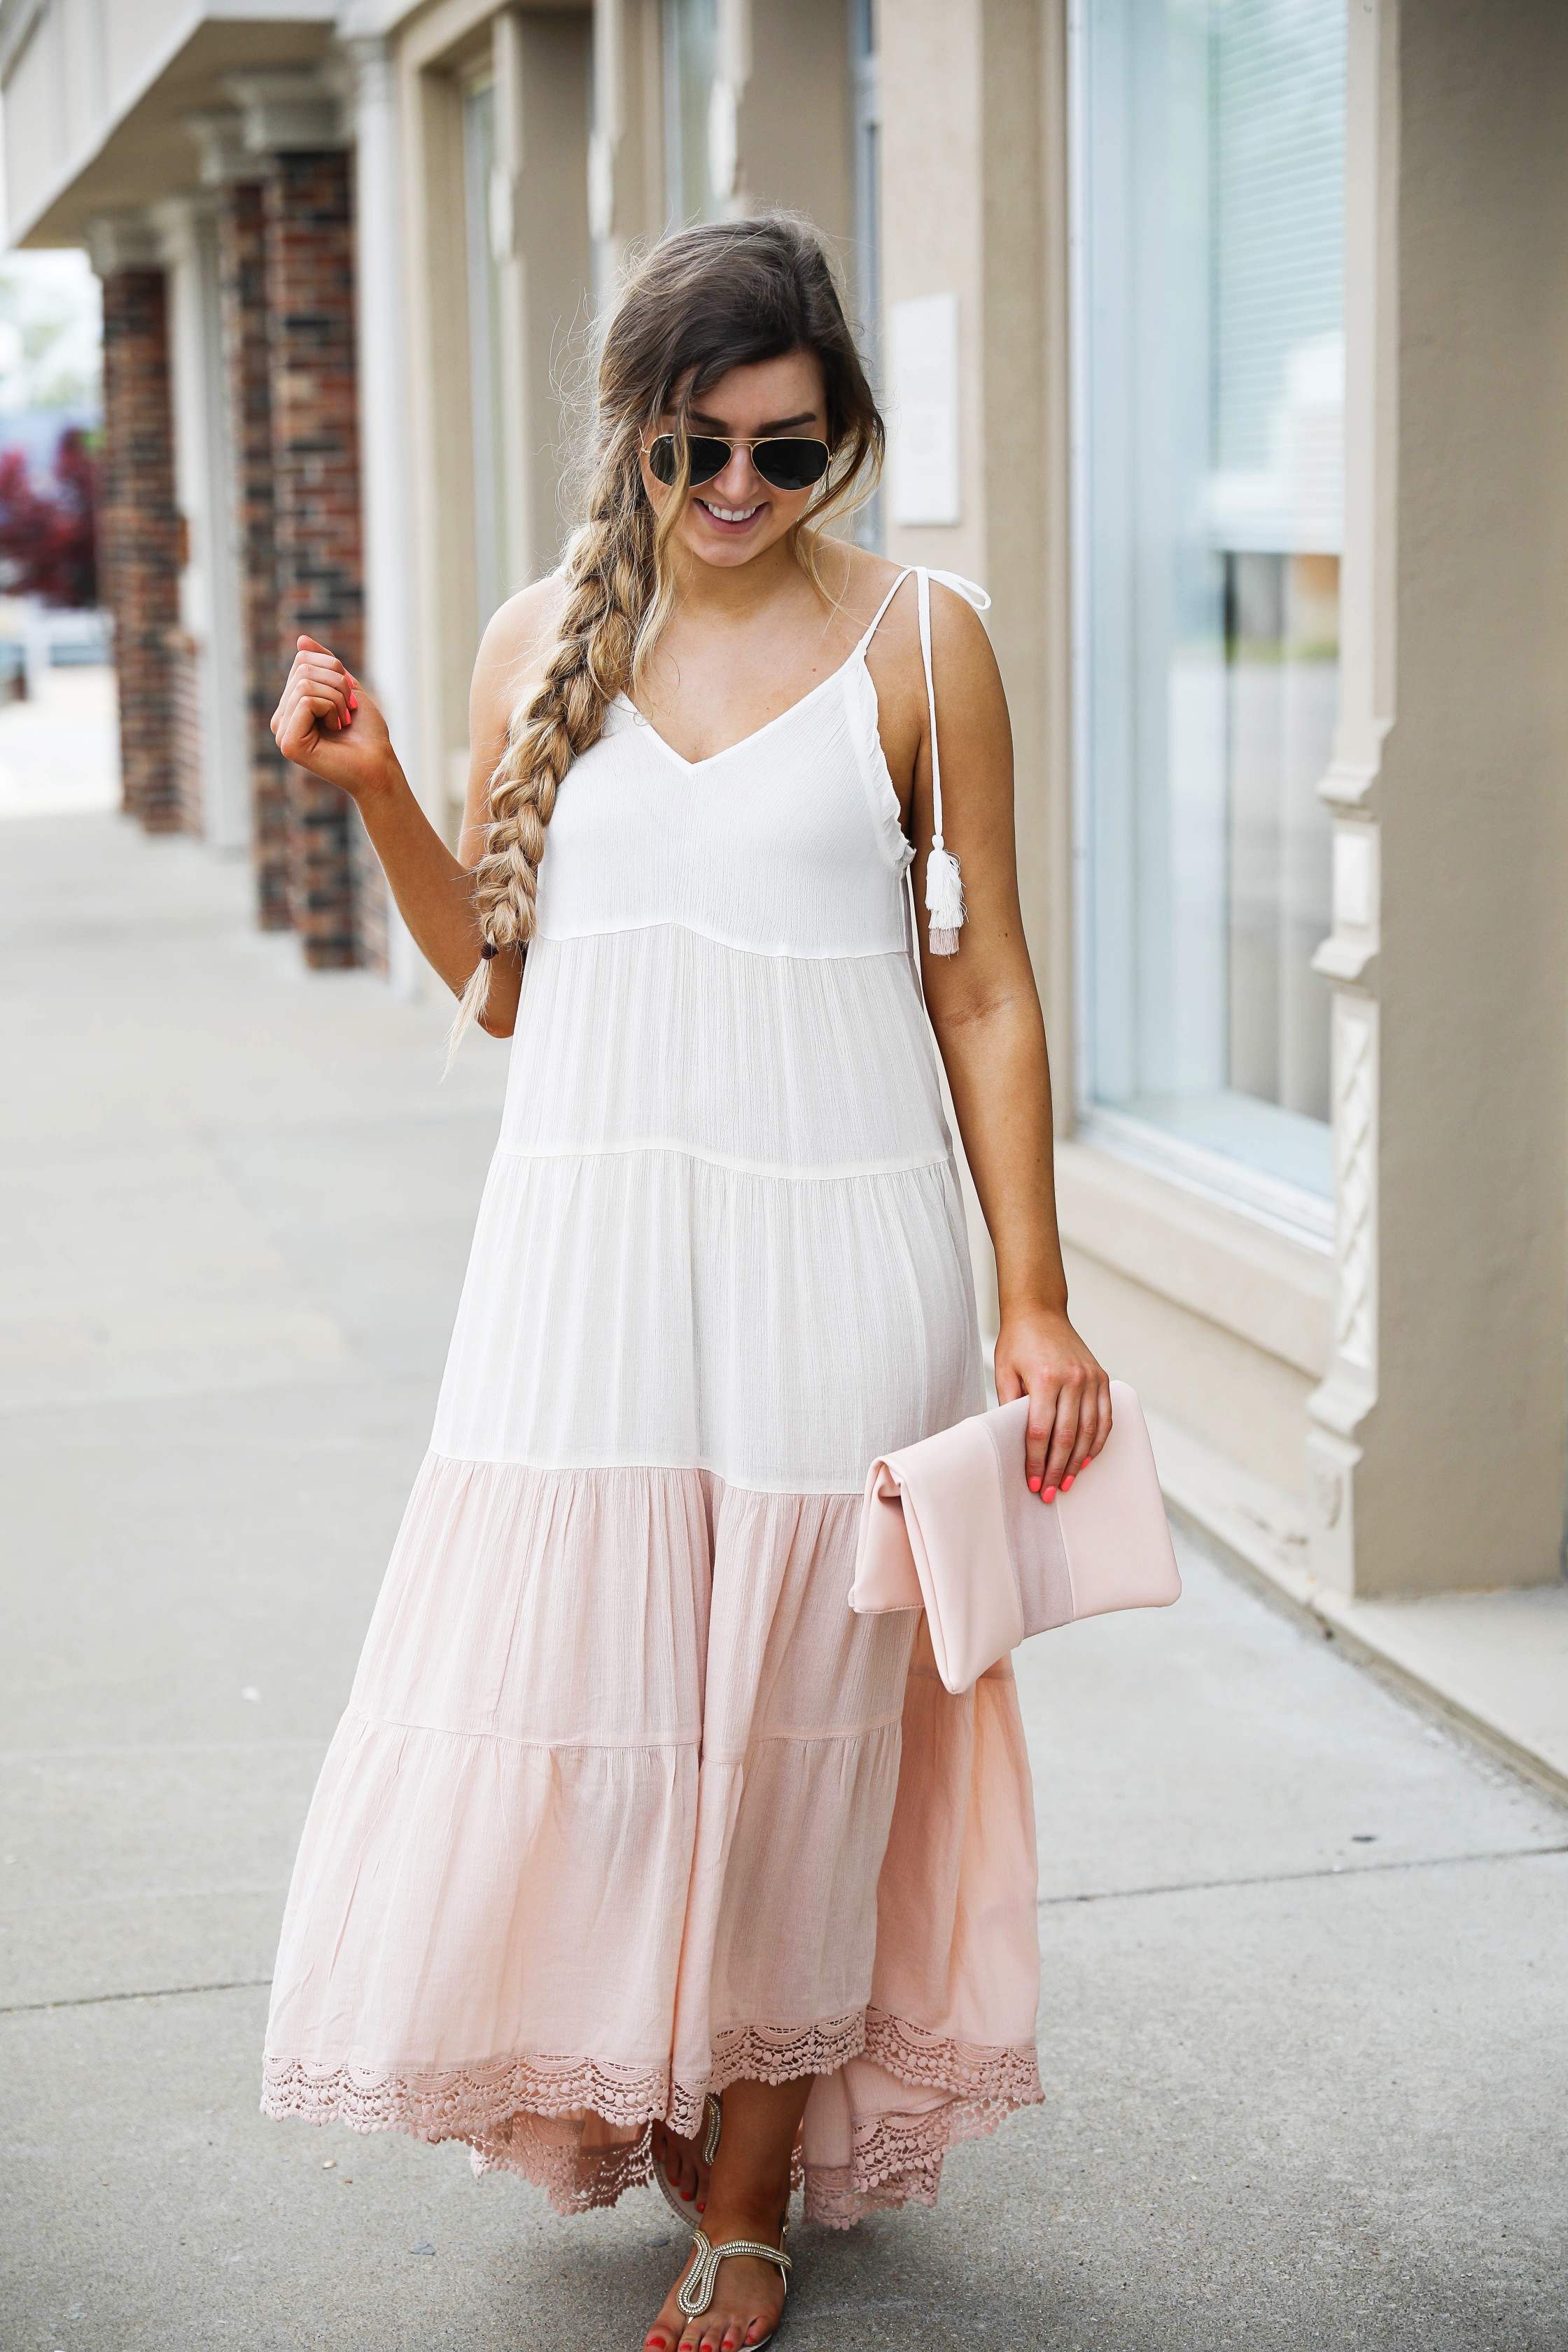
[
  {"x": 685, "y": 2207},
  {"x": 697, "y": 2290}
]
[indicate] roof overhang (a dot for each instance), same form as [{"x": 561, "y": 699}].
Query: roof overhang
[{"x": 142, "y": 151}]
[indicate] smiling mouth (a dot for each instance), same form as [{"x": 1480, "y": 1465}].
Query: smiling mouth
[{"x": 730, "y": 514}]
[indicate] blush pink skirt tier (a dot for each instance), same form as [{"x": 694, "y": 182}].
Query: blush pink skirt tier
[{"x": 627, "y": 1804}]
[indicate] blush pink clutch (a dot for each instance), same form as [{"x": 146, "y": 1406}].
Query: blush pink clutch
[{"x": 949, "y": 1526}]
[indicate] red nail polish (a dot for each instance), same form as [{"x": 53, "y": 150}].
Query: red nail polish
[
  {"x": 1033, "y": 1485},
  {"x": 1048, "y": 1495},
  {"x": 1066, "y": 1482},
  {"x": 353, "y": 702}
]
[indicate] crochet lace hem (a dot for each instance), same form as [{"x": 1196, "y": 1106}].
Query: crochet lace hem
[
  {"x": 581, "y": 2129},
  {"x": 464, "y": 2102},
  {"x": 897, "y": 2160}
]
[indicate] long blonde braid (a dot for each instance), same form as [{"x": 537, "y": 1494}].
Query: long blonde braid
[
  {"x": 610, "y": 574},
  {"x": 704, "y": 301}
]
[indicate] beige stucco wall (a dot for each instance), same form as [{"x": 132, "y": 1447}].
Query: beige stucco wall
[
  {"x": 794, "y": 125},
  {"x": 541, "y": 60},
  {"x": 1463, "y": 1479}
]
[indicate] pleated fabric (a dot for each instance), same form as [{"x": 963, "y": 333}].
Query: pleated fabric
[{"x": 627, "y": 1804}]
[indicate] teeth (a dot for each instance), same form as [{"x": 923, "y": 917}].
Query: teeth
[{"x": 729, "y": 514}]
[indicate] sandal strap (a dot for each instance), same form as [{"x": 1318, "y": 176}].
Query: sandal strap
[
  {"x": 701, "y": 2283},
  {"x": 715, "y": 2124}
]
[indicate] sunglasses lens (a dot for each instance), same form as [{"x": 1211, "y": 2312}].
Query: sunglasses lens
[
  {"x": 708, "y": 457},
  {"x": 791, "y": 464}
]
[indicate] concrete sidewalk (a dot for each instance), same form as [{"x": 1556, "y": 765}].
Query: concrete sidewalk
[{"x": 1304, "y": 1977}]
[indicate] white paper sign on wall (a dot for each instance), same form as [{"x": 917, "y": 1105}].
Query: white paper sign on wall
[{"x": 922, "y": 356}]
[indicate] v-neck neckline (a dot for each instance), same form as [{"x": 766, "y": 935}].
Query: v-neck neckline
[{"x": 692, "y": 767}]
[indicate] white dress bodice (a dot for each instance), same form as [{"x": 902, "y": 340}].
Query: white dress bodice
[{"x": 722, "y": 1228}]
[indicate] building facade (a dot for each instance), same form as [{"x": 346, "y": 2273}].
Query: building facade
[{"x": 1225, "y": 341}]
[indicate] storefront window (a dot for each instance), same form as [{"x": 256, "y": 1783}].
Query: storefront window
[
  {"x": 691, "y": 54},
  {"x": 485, "y": 375},
  {"x": 1210, "y": 362}
]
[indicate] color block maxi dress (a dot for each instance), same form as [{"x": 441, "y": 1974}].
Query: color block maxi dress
[{"x": 626, "y": 1804}]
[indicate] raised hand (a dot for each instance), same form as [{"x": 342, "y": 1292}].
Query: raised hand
[{"x": 327, "y": 723}]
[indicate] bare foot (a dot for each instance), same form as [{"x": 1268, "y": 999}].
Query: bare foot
[
  {"x": 748, "y": 2297},
  {"x": 680, "y": 2162}
]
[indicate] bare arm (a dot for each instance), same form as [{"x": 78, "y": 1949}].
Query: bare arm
[
  {"x": 327, "y": 723},
  {"x": 986, "y": 1010}
]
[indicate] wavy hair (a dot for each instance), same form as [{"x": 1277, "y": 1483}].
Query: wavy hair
[{"x": 723, "y": 295}]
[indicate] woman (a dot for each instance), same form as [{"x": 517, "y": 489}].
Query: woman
[{"x": 628, "y": 1810}]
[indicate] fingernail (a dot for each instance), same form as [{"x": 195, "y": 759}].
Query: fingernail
[
  {"x": 353, "y": 702},
  {"x": 1048, "y": 1495},
  {"x": 1033, "y": 1485},
  {"x": 1066, "y": 1482}
]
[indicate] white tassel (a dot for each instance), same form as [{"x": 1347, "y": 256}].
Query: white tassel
[{"x": 944, "y": 901}]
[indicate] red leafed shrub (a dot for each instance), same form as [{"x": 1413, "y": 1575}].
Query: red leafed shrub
[{"x": 47, "y": 541}]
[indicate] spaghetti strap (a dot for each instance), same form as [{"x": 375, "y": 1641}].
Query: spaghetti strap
[
  {"x": 945, "y": 910},
  {"x": 877, "y": 616}
]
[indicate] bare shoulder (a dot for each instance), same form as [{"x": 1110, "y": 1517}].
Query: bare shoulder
[
  {"x": 856, "y": 579},
  {"x": 960, "y": 645},
  {"x": 515, "y": 649}
]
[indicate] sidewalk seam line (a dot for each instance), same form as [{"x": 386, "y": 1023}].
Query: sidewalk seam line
[
  {"x": 154, "y": 1992},
  {"x": 1299, "y": 1878}
]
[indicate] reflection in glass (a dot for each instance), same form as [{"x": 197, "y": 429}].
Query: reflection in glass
[{"x": 1209, "y": 168}]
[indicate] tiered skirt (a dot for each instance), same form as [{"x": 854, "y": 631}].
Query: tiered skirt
[{"x": 627, "y": 1805}]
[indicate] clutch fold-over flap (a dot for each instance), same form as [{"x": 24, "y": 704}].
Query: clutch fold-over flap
[
  {"x": 950, "y": 1525},
  {"x": 955, "y": 1543},
  {"x": 885, "y": 1575}
]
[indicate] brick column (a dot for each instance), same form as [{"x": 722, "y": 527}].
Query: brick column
[
  {"x": 243, "y": 267},
  {"x": 139, "y": 535},
  {"x": 315, "y": 469}
]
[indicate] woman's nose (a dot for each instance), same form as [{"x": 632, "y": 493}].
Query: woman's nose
[{"x": 737, "y": 485}]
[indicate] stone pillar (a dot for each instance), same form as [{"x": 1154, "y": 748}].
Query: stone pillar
[
  {"x": 208, "y": 648},
  {"x": 308, "y": 236},
  {"x": 391, "y": 647},
  {"x": 139, "y": 524}
]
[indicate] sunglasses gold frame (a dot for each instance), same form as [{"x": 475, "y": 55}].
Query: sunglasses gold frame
[{"x": 740, "y": 441}]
